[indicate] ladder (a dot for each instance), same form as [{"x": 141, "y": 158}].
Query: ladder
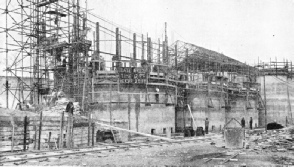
[{"x": 116, "y": 136}]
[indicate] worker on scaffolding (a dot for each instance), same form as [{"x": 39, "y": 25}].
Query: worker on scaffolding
[
  {"x": 206, "y": 125},
  {"x": 243, "y": 122},
  {"x": 250, "y": 123}
]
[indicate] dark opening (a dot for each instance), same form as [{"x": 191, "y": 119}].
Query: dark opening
[
  {"x": 171, "y": 130},
  {"x": 49, "y": 136},
  {"x": 152, "y": 131},
  {"x": 274, "y": 125},
  {"x": 164, "y": 130},
  {"x": 99, "y": 136},
  {"x": 157, "y": 98}
]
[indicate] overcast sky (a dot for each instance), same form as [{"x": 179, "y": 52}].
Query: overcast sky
[{"x": 241, "y": 29}]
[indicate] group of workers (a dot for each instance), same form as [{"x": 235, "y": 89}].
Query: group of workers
[{"x": 242, "y": 123}]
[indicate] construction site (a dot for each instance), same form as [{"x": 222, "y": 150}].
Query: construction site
[{"x": 79, "y": 90}]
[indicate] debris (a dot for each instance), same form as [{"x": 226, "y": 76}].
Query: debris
[
  {"x": 63, "y": 156},
  {"x": 20, "y": 163},
  {"x": 42, "y": 160},
  {"x": 243, "y": 165},
  {"x": 228, "y": 159}
]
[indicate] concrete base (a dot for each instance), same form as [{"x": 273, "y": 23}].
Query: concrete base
[{"x": 234, "y": 137}]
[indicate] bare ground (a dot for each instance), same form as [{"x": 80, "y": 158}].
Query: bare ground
[{"x": 185, "y": 154}]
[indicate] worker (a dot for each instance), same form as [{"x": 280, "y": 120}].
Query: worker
[
  {"x": 206, "y": 125},
  {"x": 64, "y": 62},
  {"x": 69, "y": 107},
  {"x": 250, "y": 122},
  {"x": 243, "y": 122}
]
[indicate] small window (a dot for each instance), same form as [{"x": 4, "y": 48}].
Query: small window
[
  {"x": 152, "y": 131},
  {"x": 171, "y": 130},
  {"x": 164, "y": 130}
]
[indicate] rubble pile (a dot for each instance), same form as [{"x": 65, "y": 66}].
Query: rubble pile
[
  {"x": 283, "y": 160},
  {"x": 276, "y": 140},
  {"x": 278, "y": 143}
]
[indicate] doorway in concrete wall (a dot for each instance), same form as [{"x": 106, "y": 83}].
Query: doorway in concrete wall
[
  {"x": 164, "y": 131},
  {"x": 152, "y": 131},
  {"x": 179, "y": 119}
]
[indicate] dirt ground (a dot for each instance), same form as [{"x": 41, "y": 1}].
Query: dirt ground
[{"x": 185, "y": 154}]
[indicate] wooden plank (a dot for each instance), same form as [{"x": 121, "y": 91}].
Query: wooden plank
[
  {"x": 231, "y": 157},
  {"x": 131, "y": 131},
  {"x": 10, "y": 133},
  {"x": 49, "y": 128},
  {"x": 6, "y": 140},
  {"x": 2, "y": 138},
  {"x": 16, "y": 129},
  {"x": 9, "y": 143}
]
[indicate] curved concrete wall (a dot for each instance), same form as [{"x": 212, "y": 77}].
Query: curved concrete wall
[{"x": 143, "y": 118}]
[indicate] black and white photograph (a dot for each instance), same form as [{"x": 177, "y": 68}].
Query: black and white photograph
[{"x": 147, "y": 83}]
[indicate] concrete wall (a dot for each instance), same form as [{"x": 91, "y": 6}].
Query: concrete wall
[
  {"x": 142, "y": 118},
  {"x": 217, "y": 114},
  {"x": 199, "y": 105},
  {"x": 239, "y": 110},
  {"x": 276, "y": 97}
]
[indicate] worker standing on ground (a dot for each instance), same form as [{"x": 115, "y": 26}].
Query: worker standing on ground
[
  {"x": 206, "y": 125},
  {"x": 250, "y": 122},
  {"x": 243, "y": 122}
]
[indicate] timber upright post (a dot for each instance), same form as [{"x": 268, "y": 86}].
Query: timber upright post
[
  {"x": 7, "y": 93},
  {"x": 12, "y": 138},
  {"x": 69, "y": 130},
  {"x": 61, "y": 130},
  {"x": 158, "y": 57},
  {"x": 134, "y": 49},
  {"x": 265, "y": 111},
  {"x": 98, "y": 42},
  {"x": 129, "y": 114},
  {"x": 176, "y": 65},
  {"x": 142, "y": 56},
  {"x": 25, "y": 123},
  {"x": 288, "y": 94},
  {"x": 40, "y": 130},
  {"x": 89, "y": 128},
  {"x": 117, "y": 58},
  {"x": 166, "y": 44},
  {"x": 148, "y": 50},
  {"x": 93, "y": 133}
]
